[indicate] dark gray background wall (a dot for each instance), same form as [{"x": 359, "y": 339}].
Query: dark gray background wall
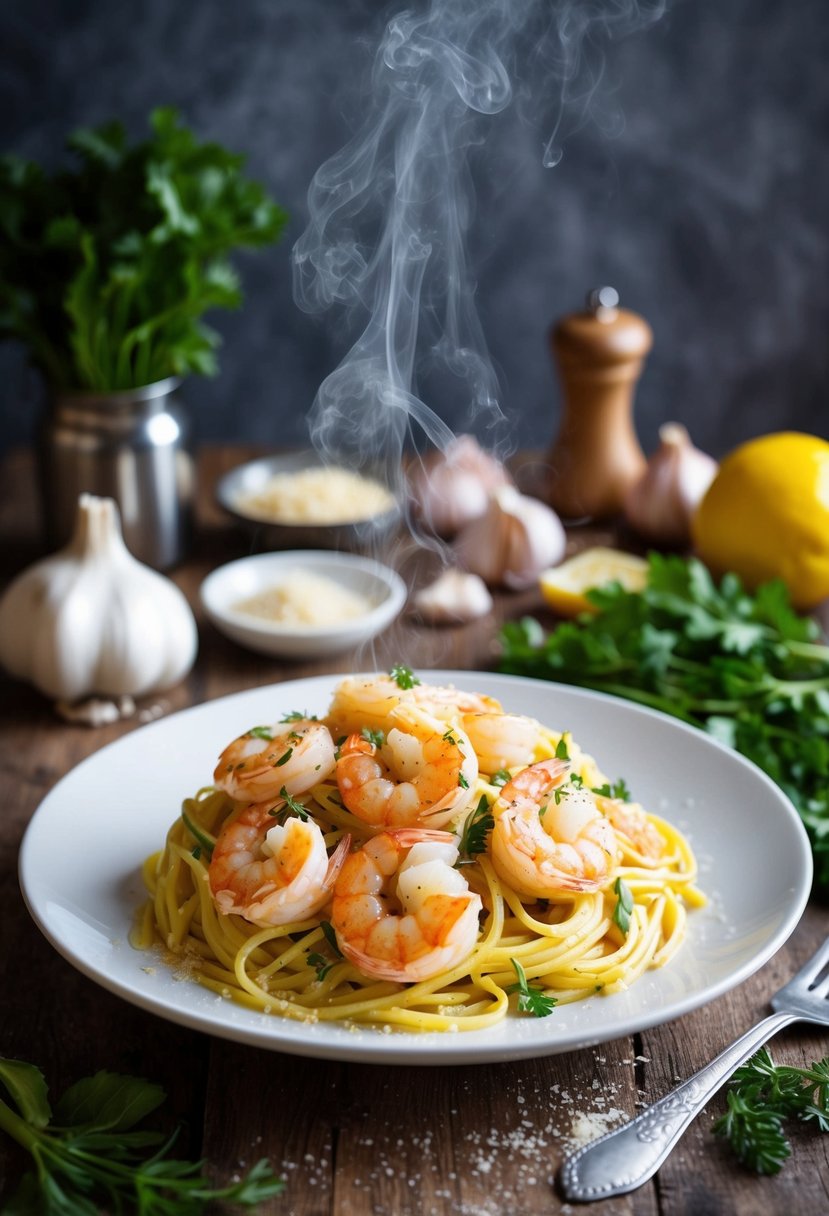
[{"x": 709, "y": 210}]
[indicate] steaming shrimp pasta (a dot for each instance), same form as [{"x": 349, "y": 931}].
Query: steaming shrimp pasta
[{"x": 417, "y": 858}]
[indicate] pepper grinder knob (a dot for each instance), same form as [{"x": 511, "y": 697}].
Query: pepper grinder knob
[{"x": 596, "y": 456}]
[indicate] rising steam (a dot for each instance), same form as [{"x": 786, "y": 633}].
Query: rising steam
[{"x": 389, "y": 213}]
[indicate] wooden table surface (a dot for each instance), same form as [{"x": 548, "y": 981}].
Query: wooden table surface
[{"x": 354, "y": 1139}]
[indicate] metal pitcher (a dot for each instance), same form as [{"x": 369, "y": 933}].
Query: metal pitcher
[{"x": 131, "y": 446}]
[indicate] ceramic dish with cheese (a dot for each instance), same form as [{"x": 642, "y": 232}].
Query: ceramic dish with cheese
[
  {"x": 303, "y": 603},
  {"x": 298, "y": 501}
]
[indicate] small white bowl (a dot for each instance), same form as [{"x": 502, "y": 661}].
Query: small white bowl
[{"x": 226, "y": 586}]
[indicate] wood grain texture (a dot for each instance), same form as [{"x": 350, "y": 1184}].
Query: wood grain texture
[{"x": 360, "y": 1140}]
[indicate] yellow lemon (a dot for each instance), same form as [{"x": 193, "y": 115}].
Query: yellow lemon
[
  {"x": 564, "y": 586},
  {"x": 766, "y": 515}
]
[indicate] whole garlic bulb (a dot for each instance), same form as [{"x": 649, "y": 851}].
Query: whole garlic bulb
[
  {"x": 661, "y": 503},
  {"x": 513, "y": 541},
  {"x": 449, "y": 488},
  {"x": 92, "y": 619}
]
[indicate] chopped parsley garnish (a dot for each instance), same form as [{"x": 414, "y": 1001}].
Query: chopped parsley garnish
[
  {"x": 298, "y": 715},
  {"x": 375, "y": 737},
  {"x": 403, "y": 677},
  {"x": 331, "y": 937},
  {"x": 449, "y": 737},
  {"x": 624, "y": 905},
  {"x": 761, "y": 1097},
  {"x": 475, "y": 830},
  {"x": 260, "y": 732},
  {"x": 530, "y": 999},
  {"x": 284, "y": 758},
  {"x": 204, "y": 840},
  {"x": 321, "y": 965},
  {"x": 619, "y": 789},
  {"x": 561, "y": 749},
  {"x": 462, "y": 782},
  {"x": 501, "y": 777},
  {"x": 291, "y": 807}
]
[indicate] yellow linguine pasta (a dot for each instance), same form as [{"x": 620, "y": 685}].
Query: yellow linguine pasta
[{"x": 570, "y": 947}]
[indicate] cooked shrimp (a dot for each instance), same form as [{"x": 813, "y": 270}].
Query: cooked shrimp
[
  {"x": 541, "y": 847},
  {"x": 422, "y": 771},
  {"x": 267, "y": 759},
  {"x": 448, "y": 703},
  {"x": 273, "y": 874},
  {"x": 365, "y": 701},
  {"x": 629, "y": 819},
  {"x": 368, "y": 701},
  {"x": 501, "y": 740},
  {"x": 400, "y": 911}
]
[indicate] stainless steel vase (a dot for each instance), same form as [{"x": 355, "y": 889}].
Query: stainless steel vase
[{"x": 131, "y": 446}]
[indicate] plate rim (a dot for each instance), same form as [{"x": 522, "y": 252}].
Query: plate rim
[{"x": 404, "y": 1047}]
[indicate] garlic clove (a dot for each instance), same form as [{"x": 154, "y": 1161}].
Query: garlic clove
[
  {"x": 450, "y": 488},
  {"x": 453, "y": 598},
  {"x": 91, "y": 619},
  {"x": 661, "y": 503},
  {"x": 513, "y": 541}
]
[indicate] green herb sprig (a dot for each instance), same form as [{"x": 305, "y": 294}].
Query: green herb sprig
[
  {"x": 624, "y": 905},
  {"x": 107, "y": 268},
  {"x": 746, "y": 668},
  {"x": 403, "y": 677},
  {"x": 761, "y": 1096},
  {"x": 477, "y": 826},
  {"x": 530, "y": 998},
  {"x": 92, "y": 1154}
]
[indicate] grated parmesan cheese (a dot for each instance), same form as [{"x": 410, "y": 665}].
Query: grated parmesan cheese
[
  {"x": 317, "y": 496},
  {"x": 306, "y": 599}
]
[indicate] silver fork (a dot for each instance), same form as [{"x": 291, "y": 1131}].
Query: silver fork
[{"x": 627, "y": 1157}]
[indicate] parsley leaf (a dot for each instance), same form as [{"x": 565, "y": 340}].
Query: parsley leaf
[
  {"x": 291, "y": 807},
  {"x": 478, "y": 824},
  {"x": 91, "y": 1156},
  {"x": 624, "y": 905},
  {"x": 561, "y": 749},
  {"x": 375, "y": 737},
  {"x": 761, "y": 1096},
  {"x": 331, "y": 937},
  {"x": 320, "y": 964},
  {"x": 260, "y": 732},
  {"x": 403, "y": 677},
  {"x": 205, "y": 842},
  {"x": 298, "y": 715},
  {"x": 284, "y": 758},
  {"x": 501, "y": 777},
  {"x": 530, "y": 999}
]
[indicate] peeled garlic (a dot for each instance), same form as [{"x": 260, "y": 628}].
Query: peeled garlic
[
  {"x": 453, "y": 597},
  {"x": 93, "y": 620},
  {"x": 449, "y": 488},
  {"x": 661, "y": 503},
  {"x": 513, "y": 541}
]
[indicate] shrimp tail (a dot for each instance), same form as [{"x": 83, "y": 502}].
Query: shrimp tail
[{"x": 335, "y": 861}]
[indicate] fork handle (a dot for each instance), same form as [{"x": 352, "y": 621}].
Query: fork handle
[{"x": 627, "y": 1157}]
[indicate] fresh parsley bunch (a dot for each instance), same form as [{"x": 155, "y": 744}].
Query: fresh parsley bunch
[
  {"x": 761, "y": 1096},
  {"x": 89, "y": 1153},
  {"x": 746, "y": 668},
  {"x": 106, "y": 269}
]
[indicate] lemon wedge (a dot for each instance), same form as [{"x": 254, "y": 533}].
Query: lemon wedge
[{"x": 564, "y": 586}]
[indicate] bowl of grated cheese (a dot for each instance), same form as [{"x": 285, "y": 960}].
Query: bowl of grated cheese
[
  {"x": 295, "y": 501},
  {"x": 302, "y": 604}
]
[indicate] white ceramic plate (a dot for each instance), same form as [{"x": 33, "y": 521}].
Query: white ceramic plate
[
  {"x": 79, "y": 869},
  {"x": 384, "y": 590}
]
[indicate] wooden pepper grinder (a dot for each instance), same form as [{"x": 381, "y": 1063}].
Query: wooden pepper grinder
[{"x": 596, "y": 456}]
